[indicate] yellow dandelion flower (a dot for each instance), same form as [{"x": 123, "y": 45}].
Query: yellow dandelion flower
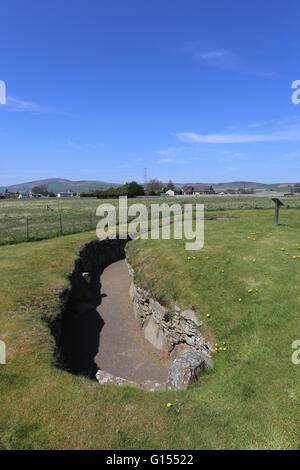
[{"x": 250, "y": 290}]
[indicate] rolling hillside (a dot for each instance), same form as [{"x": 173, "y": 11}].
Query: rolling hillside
[
  {"x": 284, "y": 187},
  {"x": 59, "y": 184}
]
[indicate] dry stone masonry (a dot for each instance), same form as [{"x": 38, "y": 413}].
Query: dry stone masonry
[{"x": 176, "y": 333}]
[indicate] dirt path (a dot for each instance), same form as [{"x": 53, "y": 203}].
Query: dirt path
[{"x": 123, "y": 350}]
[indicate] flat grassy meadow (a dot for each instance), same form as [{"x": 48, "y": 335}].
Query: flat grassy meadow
[
  {"x": 39, "y": 219},
  {"x": 246, "y": 279}
]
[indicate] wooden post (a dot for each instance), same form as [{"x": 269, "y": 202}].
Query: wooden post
[
  {"x": 27, "y": 228},
  {"x": 277, "y": 203},
  {"x": 60, "y": 223},
  {"x": 276, "y": 213}
]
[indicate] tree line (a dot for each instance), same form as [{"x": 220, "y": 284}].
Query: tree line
[{"x": 133, "y": 189}]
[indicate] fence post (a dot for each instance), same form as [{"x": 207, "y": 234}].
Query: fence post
[
  {"x": 60, "y": 224},
  {"x": 27, "y": 228}
]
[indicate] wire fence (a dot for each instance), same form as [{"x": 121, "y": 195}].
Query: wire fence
[{"x": 31, "y": 228}]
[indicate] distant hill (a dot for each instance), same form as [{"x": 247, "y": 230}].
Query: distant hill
[
  {"x": 58, "y": 184},
  {"x": 247, "y": 185},
  {"x": 253, "y": 185}
]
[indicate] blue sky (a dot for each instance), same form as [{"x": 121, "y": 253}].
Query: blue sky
[{"x": 193, "y": 90}]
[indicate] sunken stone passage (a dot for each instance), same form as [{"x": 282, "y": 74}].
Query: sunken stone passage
[
  {"x": 177, "y": 333},
  {"x": 98, "y": 334}
]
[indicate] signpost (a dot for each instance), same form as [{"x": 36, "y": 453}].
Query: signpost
[{"x": 277, "y": 203}]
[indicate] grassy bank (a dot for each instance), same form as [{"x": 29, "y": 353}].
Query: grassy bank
[
  {"x": 249, "y": 400},
  {"x": 247, "y": 280}
]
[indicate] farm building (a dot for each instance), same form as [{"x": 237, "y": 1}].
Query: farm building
[
  {"x": 170, "y": 192},
  {"x": 65, "y": 194},
  {"x": 198, "y": 189},
  {"x": 24, "y": 195}
]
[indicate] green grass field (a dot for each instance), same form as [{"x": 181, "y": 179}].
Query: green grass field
[
  {"x": 38, "y": 219},
  {"x": 249, "y": 400}
]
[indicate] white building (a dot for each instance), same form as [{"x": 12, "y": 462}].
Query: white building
[{"x": 65, "y": 194}]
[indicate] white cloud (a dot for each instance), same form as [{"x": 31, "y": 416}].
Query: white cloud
[
  {"x": 289, "y": 134},
  {"x": 223, "y": 59},
  {"x": 170, "y": 151},
  {"x": 166, "y": 160},
  {"x": 229, "y": 156},
  {"x": 219, "y": 58},
  {"x": 17, "y": 105},
  {"x": 291, "y": 155},
  {"x": 286, "y": 121},
  {"x": 214, "y": 54},
  {"x": 257, "y": 124},
  {"x": 83, "y": 146}
]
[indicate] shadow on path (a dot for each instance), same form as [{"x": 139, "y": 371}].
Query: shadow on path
[
  {"x": 101, "y": 331},
  {"x": 81, "y": 332}
]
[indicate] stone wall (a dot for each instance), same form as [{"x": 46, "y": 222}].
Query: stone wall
[{"x": 178, "y": 333}]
